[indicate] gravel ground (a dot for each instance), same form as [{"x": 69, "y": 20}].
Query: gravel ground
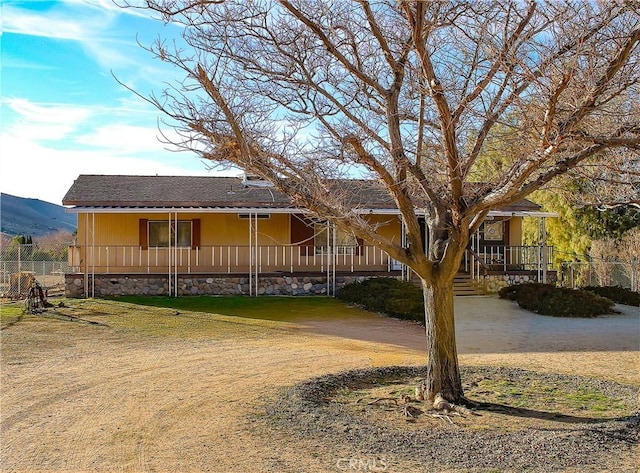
[
  {"x": 174, "y": 394},
  {"x": 578, "y": 445}
]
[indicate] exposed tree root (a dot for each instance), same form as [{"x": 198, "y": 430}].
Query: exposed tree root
[
  {"x": 439, "y": 409},
  {"x": 443, "y": 417},
  {"x": 413, "y": 412},
  {"x": 385, "y": 400}
]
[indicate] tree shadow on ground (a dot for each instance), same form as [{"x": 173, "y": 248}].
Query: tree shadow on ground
[{"x": 524, "y": 412}]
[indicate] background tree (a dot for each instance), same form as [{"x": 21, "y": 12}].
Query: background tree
[
  {"x": 604, "y": 254},
  {"x": 54, "y": 246},
  {"x": 22, "y": 240},
  {"x": 630, "y": 256},
  {"x": 406, "y": 93},
  {"x": 577, "y": 224}
]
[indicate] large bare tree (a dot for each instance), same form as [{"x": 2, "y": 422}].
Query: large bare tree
[{"x": 415, "y": 95}]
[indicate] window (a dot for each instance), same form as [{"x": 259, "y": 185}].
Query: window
[
  {"x": 159, "y": 233},
  {"x": 345, "y": 242}
]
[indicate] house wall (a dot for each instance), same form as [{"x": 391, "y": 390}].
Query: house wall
[
  {"x": 216, "y": 229},
  {"x": 389, "y": 226},
  {"x": 515, "y": 231}
]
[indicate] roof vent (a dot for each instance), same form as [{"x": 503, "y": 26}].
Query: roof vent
[{"x": 253, "y": 180}]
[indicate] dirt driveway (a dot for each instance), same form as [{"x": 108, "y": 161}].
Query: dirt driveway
[{"x": 79, "y": 397}]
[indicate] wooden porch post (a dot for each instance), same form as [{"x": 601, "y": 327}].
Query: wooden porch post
[
  {"x": 175, "y": 253},
  {"x": 253, "y": 254},
  {"x": 328, "y": 256},
  {"x": 335, "y": 258},
  {"x": 257, "y": 254},
  {"x": 169, "y": 268},
  {"x": 93, "y": 254},
  {"x": 405, "y": 271},
  {"x": 86, "y": 254},
  {"x": 544, "y": 250},
  {"x": 250, "y": 255}
]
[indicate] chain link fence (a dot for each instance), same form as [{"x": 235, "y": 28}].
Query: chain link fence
[
  {"x": 600, "y": 273},
  {"x": 21, "y": 265}
]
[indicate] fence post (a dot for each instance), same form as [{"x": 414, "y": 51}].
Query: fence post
[{"x": 19, "y": 270}]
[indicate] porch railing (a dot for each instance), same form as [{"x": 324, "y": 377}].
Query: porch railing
[
  {"x": 508, "y": 259},
  {"x": 228, "y": 259}
]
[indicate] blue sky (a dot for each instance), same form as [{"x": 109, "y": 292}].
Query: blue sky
[{"x": 62, "y": 113}]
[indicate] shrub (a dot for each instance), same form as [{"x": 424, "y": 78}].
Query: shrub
[
  {"x": 390, "y": 296},
  {"x": 618, "y": 294},
  {"x": 557, "y": 301}
]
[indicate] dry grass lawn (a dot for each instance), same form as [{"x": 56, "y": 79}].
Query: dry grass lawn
[{"x": 155, "y": 390}]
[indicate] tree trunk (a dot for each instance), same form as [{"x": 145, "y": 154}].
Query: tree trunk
[{"x": 443, "y": 374}]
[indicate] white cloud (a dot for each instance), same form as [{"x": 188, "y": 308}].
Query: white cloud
[
  {"x": 107, "y": 33},
  {"x": 49, "y": 112},
  {"x": 91, "y": 23},
  {"x": 124, "y": 139},
  {"x": 111, "y": 5},
  {"x": 45, "y": 122},
  {"x": 29, "y": 169},
  {"x": 53, "y": 23},
  {"x": 77, "y": 20},
  {"x": 47, "y": 146}
]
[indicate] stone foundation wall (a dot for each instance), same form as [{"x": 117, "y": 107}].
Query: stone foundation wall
[
  {"x": 198, "y": 285},
  {"x": 493, "y": 283}
]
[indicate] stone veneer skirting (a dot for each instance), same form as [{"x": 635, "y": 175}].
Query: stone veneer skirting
[
  {"x": 199, "y": 285},
  {"x": 217, "y": 285},
  {"x": 493, "y": 283}
]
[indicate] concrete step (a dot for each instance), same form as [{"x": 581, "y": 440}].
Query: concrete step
[{"x": 462, "y": 286}]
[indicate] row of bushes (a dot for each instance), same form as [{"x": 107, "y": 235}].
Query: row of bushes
[
  {"x": 405, "y": 301},
  {"x": 617, "y": 294},
  {"x": 557, "y": 301},
  {"x": 390, "y": 296},
  {"x": 563, "y": 302}
]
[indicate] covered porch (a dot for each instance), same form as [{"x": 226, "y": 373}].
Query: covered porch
[{"x": 180, "y": 267}]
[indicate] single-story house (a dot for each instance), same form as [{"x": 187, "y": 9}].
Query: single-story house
[{"x": 188, "y": 235}]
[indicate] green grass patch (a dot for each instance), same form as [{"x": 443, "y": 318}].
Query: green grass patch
[
  {"x": 206, "y": 317},
  {"x": 164, "y": 321},
  {"x": 281, "y": 309},
  {"x": 536, "y": 394},
  {"x": 10, "y": 313}
]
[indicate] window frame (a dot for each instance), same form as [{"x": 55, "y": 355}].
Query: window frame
[
  {"x": 162, "y": 244},
  {"x": 320, "y": 233}
]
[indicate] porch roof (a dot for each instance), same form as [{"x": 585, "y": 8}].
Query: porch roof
[{"x": 213, "y": 194}]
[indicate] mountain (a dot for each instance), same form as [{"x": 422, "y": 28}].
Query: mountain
[{"x": 21, "y": 216}]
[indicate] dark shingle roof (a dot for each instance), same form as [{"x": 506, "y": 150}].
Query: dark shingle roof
[
  {"x": 169, "y": 191},
  {"x": 213, "y": 191}
]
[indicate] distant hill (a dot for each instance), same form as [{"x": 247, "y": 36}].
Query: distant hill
[{"x": 21, "y": 216}]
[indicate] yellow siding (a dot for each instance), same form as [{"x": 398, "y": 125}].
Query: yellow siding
[
  {"x": 515, "y": 231},
  {"x": 216, "y": 229},
  {"x": 390, "y": 226},
  {"x": 108, "y": 229}
]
